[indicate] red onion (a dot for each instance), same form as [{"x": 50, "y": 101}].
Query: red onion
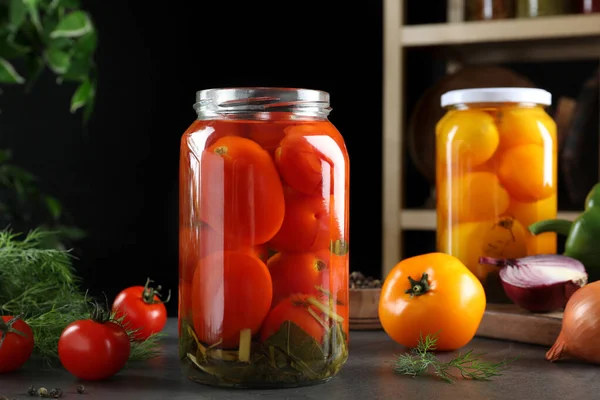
[
  {"x": 540, "y": 283},
  {"x": 580, "y": 329}
]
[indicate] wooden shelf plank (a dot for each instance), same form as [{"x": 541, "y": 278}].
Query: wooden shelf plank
[
  {"x": 509, "y": 30},
  {"x": 425, "y": 220}
]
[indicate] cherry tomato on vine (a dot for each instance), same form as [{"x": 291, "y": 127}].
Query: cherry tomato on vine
[
  {"x": 94, "y": 349},
  {"x": 16, "y": 343},
  {"x": 431, "y": 294},
  {"x": 141, "y": 310}
]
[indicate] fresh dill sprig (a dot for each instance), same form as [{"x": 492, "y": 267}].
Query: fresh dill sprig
[
  {"x": 40, "y": 285},
  {"x": 421, "y": 359}
]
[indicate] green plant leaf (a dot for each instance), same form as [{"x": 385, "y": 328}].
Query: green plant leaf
[
  {"x": 61, "y": 43},
  {"x": 53, "y": 206},
  {"x": 18, "y": 12},
  {"x": 34, "y": 13},
  {"x": 74, "y": 24},
  {"x": 5, "y": 155},
  {"x": 58, "y": 60},
  {"x": 9, "y": 49},
  {"x": 81, "y": 95},
  {"x": 86, "y": 45},
  {"x": 79, "y": 69},
  {"x": 89, "y": 106},
  {"x": 8, "y": 73}
]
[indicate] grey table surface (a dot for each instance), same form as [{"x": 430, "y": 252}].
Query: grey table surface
[{"x": 367, "y": 375}]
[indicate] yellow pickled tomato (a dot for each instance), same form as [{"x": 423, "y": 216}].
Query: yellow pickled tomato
[
  {"x": 503, "y": 237},
  {"x": 518, "y": 126},
  {"x": 472, "y": 138},
  {"x": 473, "y": 196},
  {"x": 529, "y": 213},
  {"x": 527, "y": 172}
]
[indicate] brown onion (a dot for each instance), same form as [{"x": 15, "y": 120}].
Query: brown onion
[
  {"x": 580, "y": 329},
  {"x": 540, "y": 283}
]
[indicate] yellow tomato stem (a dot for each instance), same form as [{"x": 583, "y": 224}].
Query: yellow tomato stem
[{"x": 420, "y": 287}]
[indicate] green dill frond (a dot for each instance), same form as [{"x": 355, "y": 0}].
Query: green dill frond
[
  {"x": 421, "y": 359},
  {"x": 41, "y": 286}
]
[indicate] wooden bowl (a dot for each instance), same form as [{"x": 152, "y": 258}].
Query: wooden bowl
[{"x": 364, "y": 309}]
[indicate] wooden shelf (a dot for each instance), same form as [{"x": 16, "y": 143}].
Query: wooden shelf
[
  {"x": 569, "y": 37},
  {"x": 459, "y": 43},
  {"x": 425, "y": 220},
  {"x": 498, "y": 31}
]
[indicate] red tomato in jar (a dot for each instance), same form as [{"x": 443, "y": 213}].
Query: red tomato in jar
[
  {"x": 303, "y": 166},
  {"x": 197, "y": 242},
  {"x": 241, "y": 195},
  {"x": 93, "y": 349},
  {"x": 308, "y": 225},
  {"x": 142, "y": 310},
  {"x": 231, "y": 291},
  {"x": 17, "y": 343},
  {"x": 296, "y": 310},
  {"x": 315, "y": 274}
]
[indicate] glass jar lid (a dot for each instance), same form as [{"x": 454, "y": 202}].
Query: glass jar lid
[{"x": 497, "y": 95}]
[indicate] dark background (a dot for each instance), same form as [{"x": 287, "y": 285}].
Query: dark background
[{"x": 118, "y": 175}]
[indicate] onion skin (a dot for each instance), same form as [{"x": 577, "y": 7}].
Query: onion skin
[
  {"x": 539, "y": 297},
  {"x": 580, "y": 329}
]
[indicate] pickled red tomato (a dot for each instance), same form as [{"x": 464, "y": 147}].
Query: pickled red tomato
[
  {"x": 199, "y": 241},
  {"x": 308, "y": 224},
  {"x": 307, "y": 273},
  {"x": 518, "y": 126},
  {"x": 473, "y": 196},
  {"x": 500, "y": 237},
  {"x": 526, "y": 173},
  {"x": 296, "y": 310},
  {"x": 232, "y": 291},
  {"x": 471, "y": 138},
  {"x": 241, "y": 192},
  {"x": 302, "y": 166},
  {"x": 267, "y": 134}
]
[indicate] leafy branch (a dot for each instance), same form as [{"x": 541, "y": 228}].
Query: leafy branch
[
  {"x": 421, "y": 359},
  {"x": 55, "y": 34}
]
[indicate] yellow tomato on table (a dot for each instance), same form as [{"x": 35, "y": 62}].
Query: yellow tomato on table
[{"x": 431, "y": 294}]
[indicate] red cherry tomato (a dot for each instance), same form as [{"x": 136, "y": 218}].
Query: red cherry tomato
[
  {"x": 16, "y": 343},
  {"x": 93, "y": 349},
  {"x": 142, "y": 310}
]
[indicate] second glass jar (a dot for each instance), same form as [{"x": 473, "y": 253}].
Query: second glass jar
[
  {"x": 263, "y": 239},
  {"x": 496, "y": 173}
]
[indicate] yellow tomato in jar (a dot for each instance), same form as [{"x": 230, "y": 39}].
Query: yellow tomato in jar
[
  {"x": 527, "y": 173},
  {"x": 518, "y": 126},
  {"x": 473, "y": 196},
  {"x": 470, "y": 138},
  {"x": 527, "y": 214},
  {"x": 503, "y": 237}
]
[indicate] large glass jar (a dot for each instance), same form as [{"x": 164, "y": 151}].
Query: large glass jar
[
  {"x": 496, "y": 174},
  {"x": 263, "y": 239}
]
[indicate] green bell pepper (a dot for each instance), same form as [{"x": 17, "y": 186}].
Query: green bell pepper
[{"x": 583, "y": 234}]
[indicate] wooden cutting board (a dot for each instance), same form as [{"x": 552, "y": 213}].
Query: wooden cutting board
[{"x": 509, "y": 322}]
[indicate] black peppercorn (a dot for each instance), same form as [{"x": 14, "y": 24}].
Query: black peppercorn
[{"x": 55, "y": 393}]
